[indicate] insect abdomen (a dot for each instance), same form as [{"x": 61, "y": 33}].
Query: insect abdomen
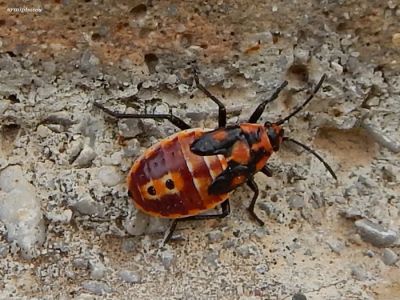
[{"x": 170, "y": 181}]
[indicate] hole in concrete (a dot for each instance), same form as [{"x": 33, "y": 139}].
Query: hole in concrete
[
  {"x": 151, "y": 61},
  {"x": 186, "y": 40},
  {"x": 275, "y": 37},
  {"x": 139, "y": 10},
  {"x": 352, "y": 147},
  {"x": 8, "y": 134},
  {"x": 342, "y": 26},
  {"x": 299, "y": 72},
  {"x": 96, "y": 37},
  {"x": 13, "y": 98},
  {"x": 12, "y": 54}
]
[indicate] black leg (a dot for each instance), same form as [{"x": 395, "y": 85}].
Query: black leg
[
  {"x": 221, "y": 106},
  {"x": 267, "y": 171},
  {"x": 225, "y": 211},
  {"x": 260, "y": 108},
  {"x": 253, "y": 185},
  {"x": 170, "y": 231},
  {"x": 173, "y": 119}
]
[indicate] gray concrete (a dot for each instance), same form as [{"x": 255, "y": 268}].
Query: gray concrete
[{"x": 67, "y": 227}]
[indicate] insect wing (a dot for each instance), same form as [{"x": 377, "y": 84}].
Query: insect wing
[{"x": 218, "y": 141}]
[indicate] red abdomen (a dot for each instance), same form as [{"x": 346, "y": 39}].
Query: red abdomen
[{"x": 170, "y": 181}]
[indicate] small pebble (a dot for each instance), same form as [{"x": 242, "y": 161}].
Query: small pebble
[
  {"x": 109, "y": 176},
  {"x": 167, "y": 258},
  {"x": 369, "y": 253},
  {"x": 296, "y": 201},
  {"x": 88, "y": 61},
  {"x": 261, "y": 232},
  {"x": 85, "y": 158},
  {"x": 359, "y": 273},
  {"x": 262, "y": 269},
  {"x": 336, "y": 246},
  {"x": 4, "y": 250},
  {"x": 130, "y": 276},
  {"x": 381, "y": 138},
  {"x": 375, "y": 234},
  {"x": 396, "y": 40},
  {"x": 43, "y": 131},
  {"x": 246, "y": 251},
  {"x": 97, "y": 270},
  {"x": 80, "y": 263},
  {"x": 116, "y": 158},
  {"x": 301, "y": 55},
  {"x": 389, "y": 257},
  {"x": 64, "y": 216},
  {"x": 87, "y": 206},
  {"x": 96, "y": 287},
  {"x": 20, "y": 211},
  {"x": 351, "y": 213},
  {"x": 128, "y": 245},
  {"x": 131, "y": 148},
  {"x": 228, "y": 244},
  {"x": 136, "y": 225},
  {"x": 47, "y": 91},
  {"x": 129, "y": 128},
  {"x": 211, "y": 257},
  {"x": 61, "y": 118},
  {"x": 338, "y": 68},
  {"x": 74, "y": 149},
  {"x": 271, "y": 210},
  {"x": 215, "y": 236}
]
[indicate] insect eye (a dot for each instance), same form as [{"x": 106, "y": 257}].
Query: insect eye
[
  {"x": 271, "y": 134},
  {"x": 151, "y": 190},
  {"x": 170, "y": 184},
  {"x": 273, "y": 139}
]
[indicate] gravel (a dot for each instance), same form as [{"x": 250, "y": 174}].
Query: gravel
[
  {"x": 96, "y": 287},
  {"x": 109, "y": 176},
  {"x": 375, "y": 234},
  {"x": 389, "y": 257},
  {"x": 20, "y": 211},
  {"x": 85, "y": 157},
  {"x": 130, "y": 276}
]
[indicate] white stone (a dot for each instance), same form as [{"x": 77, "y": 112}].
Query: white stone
[
  {"x": 85, "y": 157},
  {"x": 109, "y": 176},
  {"x": 20, "y": 211}
]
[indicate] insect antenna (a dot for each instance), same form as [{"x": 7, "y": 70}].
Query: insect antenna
[
  {"x": 317, "y": 87},
  {"x": 328, "y": 167}
]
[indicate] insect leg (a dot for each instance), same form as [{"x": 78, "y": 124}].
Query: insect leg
[
  {"x": 221, "y": 106},
  {"x": 225, "y": 211},
  {"x": 253, "y": 185},
  {"x": 267, "y": 171},
  {"x": 260, "y": 108},
  {"x": 173, "y": 119},
  {"x": 171, "y": 230}
]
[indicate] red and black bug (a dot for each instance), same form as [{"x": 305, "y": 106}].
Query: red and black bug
[{"x": 194, "y": 170}]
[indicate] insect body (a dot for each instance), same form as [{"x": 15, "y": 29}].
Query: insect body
[
  {"x": 170, "y": 181},
  {"x": 247, "y": 148},
  {"x": 194, "y": 170}
]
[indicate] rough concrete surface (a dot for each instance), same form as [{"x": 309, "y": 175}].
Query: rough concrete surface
[{"x": 67, "y": 227}]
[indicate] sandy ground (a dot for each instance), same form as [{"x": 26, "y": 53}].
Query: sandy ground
[{"x": 67, "y": 227}]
